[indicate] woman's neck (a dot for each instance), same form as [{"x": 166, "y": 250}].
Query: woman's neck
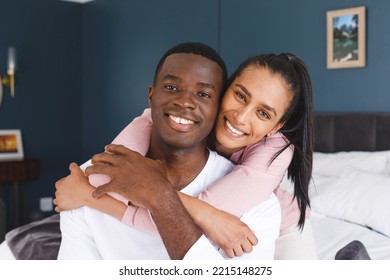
[{"x": 222, "y": 150}]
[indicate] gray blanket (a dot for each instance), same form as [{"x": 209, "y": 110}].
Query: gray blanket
[
  {"x": 38, "y": 240},
  {"x": 354, "y": 250}
]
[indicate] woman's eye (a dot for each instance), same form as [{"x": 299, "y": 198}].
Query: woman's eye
[
  {"x": 264, "y": 114},
  {"x": 240, "y": 96}
]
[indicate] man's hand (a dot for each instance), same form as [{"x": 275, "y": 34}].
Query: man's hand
[{"x": 133, "y": 176}]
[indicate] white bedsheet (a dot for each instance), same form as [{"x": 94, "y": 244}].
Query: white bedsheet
[
  {"x": 348, "y": 191},
  {"x": 332, "y": 234},
  {"x": 5, "y": 252}
]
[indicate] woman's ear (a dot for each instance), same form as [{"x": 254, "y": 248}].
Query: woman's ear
[{"x": 276, "y": 129}]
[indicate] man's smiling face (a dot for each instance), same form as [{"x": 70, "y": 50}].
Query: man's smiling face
[{"x": 185, "y": 99}]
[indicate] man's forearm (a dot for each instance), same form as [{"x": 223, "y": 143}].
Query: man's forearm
[{"x": 176, "y": 227}]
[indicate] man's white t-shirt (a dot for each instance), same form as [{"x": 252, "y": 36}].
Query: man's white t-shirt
[{"x": 91, "y": 234}]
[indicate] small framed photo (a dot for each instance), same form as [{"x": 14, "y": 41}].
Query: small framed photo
[
  {"x": 11, "y": 146},
  {"x": 346, "y": 38}
]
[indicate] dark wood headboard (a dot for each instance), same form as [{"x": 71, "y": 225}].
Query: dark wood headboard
[{"x": 335, "y": 132}]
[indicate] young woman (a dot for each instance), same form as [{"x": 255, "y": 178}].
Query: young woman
[{"x": 265, "y": 127}]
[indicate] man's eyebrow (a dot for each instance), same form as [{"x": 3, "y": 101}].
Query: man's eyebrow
[
  {"x": 269, "y": 108},
  {"x": 176, "y": 78},
  {"x": 171, "y": 77},
  {"x": 207, "y": 85}
]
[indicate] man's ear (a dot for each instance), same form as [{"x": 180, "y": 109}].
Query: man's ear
[
  {"x": 276, "y": 128},
  {"x": 150, "y": 94}
]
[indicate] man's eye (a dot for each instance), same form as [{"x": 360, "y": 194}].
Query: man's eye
[
  {"x": 171, "y": 87},
  {"x": 204, "y": 94}
]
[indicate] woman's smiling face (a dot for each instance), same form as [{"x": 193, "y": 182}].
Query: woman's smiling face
[{"x": 252, "y": 108}]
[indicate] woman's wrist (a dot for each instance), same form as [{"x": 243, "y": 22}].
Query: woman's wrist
[
  {"x": 88, "y": 199},
  {"x": 197, "y": 209}
]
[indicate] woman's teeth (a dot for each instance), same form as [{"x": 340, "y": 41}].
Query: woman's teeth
[{"x": 233, "y": 130}]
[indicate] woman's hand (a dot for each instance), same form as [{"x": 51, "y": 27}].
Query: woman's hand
[
  {"x": 72, "y": 191},
  {"x": 226, "y": 230}
]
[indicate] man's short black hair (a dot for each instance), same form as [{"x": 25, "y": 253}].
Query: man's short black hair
[{"x": 194, "y": 48}]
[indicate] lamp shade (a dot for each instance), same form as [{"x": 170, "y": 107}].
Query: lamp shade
[{"x": 11, "y": 59}]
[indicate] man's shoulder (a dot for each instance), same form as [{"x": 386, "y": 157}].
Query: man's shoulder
[
  {"x": 217, "y": 161},
  {"x": 215, "y": 168}
]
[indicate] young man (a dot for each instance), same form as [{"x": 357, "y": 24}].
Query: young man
[{"x": 184, "y": 101}]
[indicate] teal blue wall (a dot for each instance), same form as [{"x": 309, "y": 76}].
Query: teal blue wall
[
  {"x": 47, "y": 106},
  {"x": 252, "y": 26},
  {"x": 85, "y": 69}
]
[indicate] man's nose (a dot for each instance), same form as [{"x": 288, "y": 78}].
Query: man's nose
[{"x": 186, "y": 100}]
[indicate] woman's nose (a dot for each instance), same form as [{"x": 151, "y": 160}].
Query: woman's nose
[{"x": 243, "y": 115}]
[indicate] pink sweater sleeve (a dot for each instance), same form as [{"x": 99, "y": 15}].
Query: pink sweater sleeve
[
  {"x": 253, "y": 179},
  {"x": 136, "y": 136}
]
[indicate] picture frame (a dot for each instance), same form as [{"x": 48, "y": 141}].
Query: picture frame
[
  {"x": 11, "y": 145},
  {"x": 346, "y": 38}
]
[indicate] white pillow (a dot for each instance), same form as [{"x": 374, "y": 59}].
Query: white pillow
[
  {"x": 359, "y": 197},
  {"x": 336, "y": 164},
  {"x": 287, "y": 184}
]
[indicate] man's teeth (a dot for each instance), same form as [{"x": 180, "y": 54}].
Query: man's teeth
[
  {"x": 232, "y": 129},
  {"x": 180, "y": 120}
]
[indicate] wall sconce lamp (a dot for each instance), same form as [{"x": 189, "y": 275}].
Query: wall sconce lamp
[{"x": 8, "y": 80}]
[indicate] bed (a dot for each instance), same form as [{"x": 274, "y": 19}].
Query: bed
[{"x": 350, "y": 190}]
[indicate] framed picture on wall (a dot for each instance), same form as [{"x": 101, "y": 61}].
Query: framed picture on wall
[
  {"x": 346, "y": 38},
  {"x": 11, "y": 147}
]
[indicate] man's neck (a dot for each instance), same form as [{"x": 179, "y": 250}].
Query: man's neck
[{"x": 182, "y": 165}]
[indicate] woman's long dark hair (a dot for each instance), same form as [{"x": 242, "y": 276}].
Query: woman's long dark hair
[{"x": 298, "y": 127}]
